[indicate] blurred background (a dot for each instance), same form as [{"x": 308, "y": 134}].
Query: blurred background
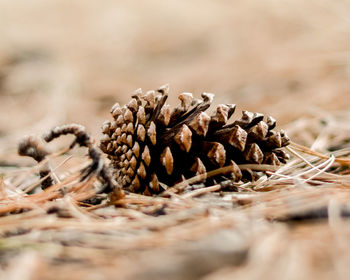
[
  {"x": 65, "y": 61},
  {"x": 70, "y": 61}
]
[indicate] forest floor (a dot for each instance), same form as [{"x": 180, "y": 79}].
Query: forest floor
[{"x": 289, "y": 60}]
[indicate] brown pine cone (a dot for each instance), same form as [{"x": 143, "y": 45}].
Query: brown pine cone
[{"x": 152, "y": 146}]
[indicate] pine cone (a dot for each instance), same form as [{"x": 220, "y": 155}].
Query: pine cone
[{"x": 150, "y": 145}]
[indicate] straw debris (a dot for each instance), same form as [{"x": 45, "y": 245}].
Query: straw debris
[{"x": 198, "y": 231}]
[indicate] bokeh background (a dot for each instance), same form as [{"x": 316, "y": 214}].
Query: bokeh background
[
  {"x": 69, "y": 61},
  {"x": 65, "y": 61}
]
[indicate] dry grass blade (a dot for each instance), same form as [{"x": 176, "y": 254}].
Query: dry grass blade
[
  {"x": 223, "y": 170},
  {"x": 344, "y": 161},
  {"x": 201, "y": 191}
]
